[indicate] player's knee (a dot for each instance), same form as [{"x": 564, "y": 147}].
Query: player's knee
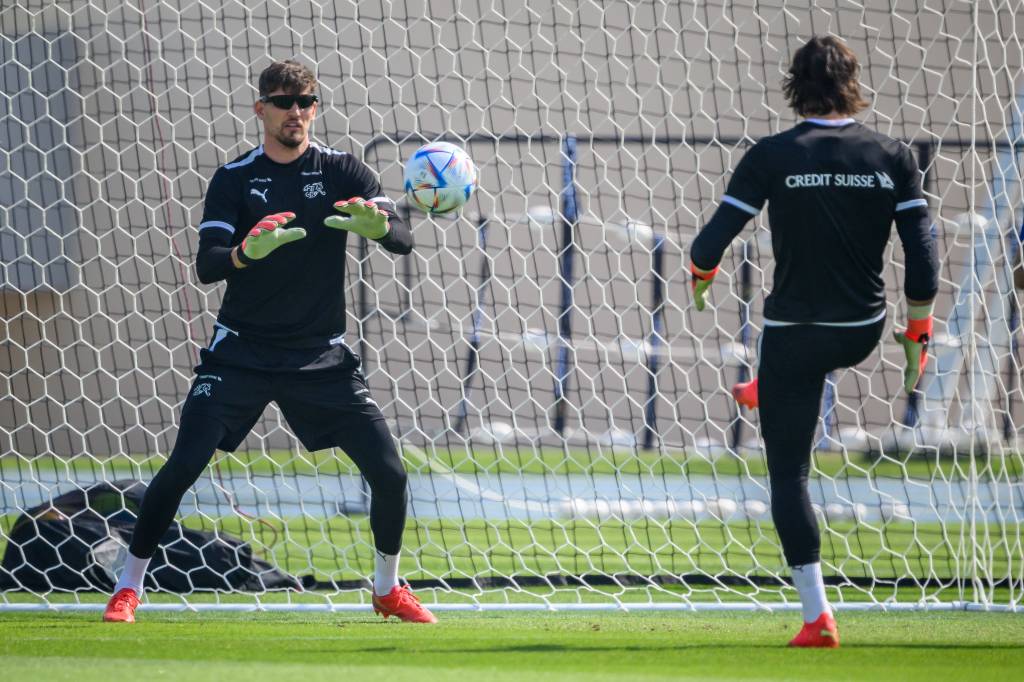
[
  {"x": 392, "y": 480},
  {"x": 388, "y": 477},
  {"x": 787, "y": 480}
]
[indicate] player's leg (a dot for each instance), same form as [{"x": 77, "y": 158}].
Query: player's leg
[
  {"x": 793, "y": 365},
  {"x": 222, "y": 406},
  {"x": 340, "y": 401},
  {"x": 373, "y": 450},
  {"x": 791, "y": 379},
  {"x": 198, "y": 438}
]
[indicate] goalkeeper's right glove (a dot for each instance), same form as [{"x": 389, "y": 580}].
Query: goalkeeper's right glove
[
  {"x": 746, "y": 394},
  {"x": 700, "y": 283},
  {"x": 265, "y": 237},
  {"x": 915, "y": 342}
]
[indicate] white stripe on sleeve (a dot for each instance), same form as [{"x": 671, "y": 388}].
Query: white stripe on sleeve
[
  {"x": 743, "y": 206},
  {"x": 217, "y": 223},
  {"x": 913, "y": 203}
]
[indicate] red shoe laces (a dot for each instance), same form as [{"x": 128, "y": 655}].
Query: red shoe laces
[{"x": 122, "y": 600}]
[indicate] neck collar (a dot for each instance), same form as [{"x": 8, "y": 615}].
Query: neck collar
[{"x": 830, "y": 122}]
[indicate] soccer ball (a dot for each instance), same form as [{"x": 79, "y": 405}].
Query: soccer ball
[{"x": 439, "y": 177}]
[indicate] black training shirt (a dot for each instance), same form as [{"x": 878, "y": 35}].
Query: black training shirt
[
  {"x": 294, "y": 297},
  {"x": 833, "y": 193}
]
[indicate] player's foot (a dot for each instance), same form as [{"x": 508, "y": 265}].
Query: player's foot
[
  {"x": 121, "y": 607},
  {"x": 746, "y": 394},
  {"x": 404, "y": 605},
  {"x": 822, "y": 634}
]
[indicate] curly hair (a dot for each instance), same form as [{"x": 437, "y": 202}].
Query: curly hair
[
  {"x": 823, "y": 79},
  {"x": 289, "y": 75}
]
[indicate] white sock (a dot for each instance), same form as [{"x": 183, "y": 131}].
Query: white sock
[
  {"x": 385, "y": 577},
  {"x": 809, "y": 583},
  {"x": 133, "y": 574}
]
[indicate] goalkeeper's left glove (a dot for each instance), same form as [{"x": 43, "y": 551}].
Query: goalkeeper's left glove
[
  {"x": 700, "y": 283},
  {"x": 361, "y": 216},
  {"x": 915, "y": 342}
]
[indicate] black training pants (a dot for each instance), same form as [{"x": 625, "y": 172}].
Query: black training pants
[{"x": 794, "y": 361}]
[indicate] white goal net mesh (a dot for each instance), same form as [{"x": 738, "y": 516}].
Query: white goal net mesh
[{"x": 562, "y": 410}]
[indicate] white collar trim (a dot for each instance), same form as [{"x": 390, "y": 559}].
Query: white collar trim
[{"x": 832, "y": 122}]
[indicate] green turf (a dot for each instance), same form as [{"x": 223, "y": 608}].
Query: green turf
[
  {"x": 531, "y": 460},
  {"x": 340, "y": 548},
  {"x": 499, "y": 646}
]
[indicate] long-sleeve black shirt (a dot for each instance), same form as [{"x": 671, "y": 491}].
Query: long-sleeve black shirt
[
  {"x": 294, "y": 297},
  {"x": 833, "y": 192}
]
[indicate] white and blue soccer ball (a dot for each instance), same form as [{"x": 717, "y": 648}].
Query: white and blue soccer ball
[{"x": 439, "y": 177}]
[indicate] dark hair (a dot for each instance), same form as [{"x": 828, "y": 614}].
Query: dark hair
[
  {"x": 291, "y": 76},
  {"x": 823, "y": 79}
]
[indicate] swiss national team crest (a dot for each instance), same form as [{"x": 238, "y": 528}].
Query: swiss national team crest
[{"x": 315, "y": 189}]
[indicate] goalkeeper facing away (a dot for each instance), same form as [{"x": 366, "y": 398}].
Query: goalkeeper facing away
[
  {"x": 280, "y": 332},
  {"x": 833, "y": 189}
]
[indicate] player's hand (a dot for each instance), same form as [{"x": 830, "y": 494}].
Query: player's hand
[
  {"x": 361, "y": 217},
  {"x": 915, "y": 342},
  {"x": 700, "y": 282},
  {"x": 268, "y": 235}
]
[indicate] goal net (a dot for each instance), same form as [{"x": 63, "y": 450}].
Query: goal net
[{"x": 562, "y": 410}]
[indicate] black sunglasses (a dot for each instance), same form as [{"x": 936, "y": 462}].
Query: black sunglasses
[{"x": 288, "y": 101}]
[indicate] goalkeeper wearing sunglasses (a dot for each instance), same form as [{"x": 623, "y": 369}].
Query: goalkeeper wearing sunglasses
[{"x": 275, "y": 227}]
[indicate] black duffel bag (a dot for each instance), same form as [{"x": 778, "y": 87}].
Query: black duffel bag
[{"x": 79, "y": 540}]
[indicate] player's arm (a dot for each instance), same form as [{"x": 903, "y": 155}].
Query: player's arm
[
  {"x": 217, "y": 259},
  {"x": 375, "y": 218},
  {"x": 742, "y": 201},
  {"x": 214, "y": 260},
  {"x": 921, "y": 279},
  {"x": 368, "y": 213}
]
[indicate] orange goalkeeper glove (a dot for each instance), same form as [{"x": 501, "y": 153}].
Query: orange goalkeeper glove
[
  {"x": 700, "y": 283},
  {"x": 265, "y": 237},
  {"x": 363, "y": 217},
  {"x": 915, "y": 340},
  {"x": 746, "y": 394}
]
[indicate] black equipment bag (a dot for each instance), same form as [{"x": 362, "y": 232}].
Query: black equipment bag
[{"x": 78, "y": 541}]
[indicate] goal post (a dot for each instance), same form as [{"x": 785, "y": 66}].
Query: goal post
[{"x": 563, "y": 410}]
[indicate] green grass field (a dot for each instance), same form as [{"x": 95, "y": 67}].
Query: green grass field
[
  {"x": 340, "y": 548},
  {"x": 504, "y": 646},
  {"x": 530, "y": 460}
]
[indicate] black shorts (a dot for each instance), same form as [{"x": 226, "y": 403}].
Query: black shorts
[{"x": 321, "y": 392}]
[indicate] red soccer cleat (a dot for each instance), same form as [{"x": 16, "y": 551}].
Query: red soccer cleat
[
  {"x": 403, "y": 604},
  {"x": 821, "y": 634},
  {"x": 746, "y": 394},
  {"x": 121, "y": 607}
]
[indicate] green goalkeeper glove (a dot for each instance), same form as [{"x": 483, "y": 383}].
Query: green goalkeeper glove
[
  {"x": 361, "y": 216},
  {"x": 265, "y": 237},
  {"x": 915, "y": 342},
  {"x": 701, "y": 282}
]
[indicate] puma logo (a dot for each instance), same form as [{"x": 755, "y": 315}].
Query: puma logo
[{"x": 262, "y": 194}]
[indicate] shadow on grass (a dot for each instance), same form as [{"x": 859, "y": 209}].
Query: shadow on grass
[{"x": 569, "y": 648}]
